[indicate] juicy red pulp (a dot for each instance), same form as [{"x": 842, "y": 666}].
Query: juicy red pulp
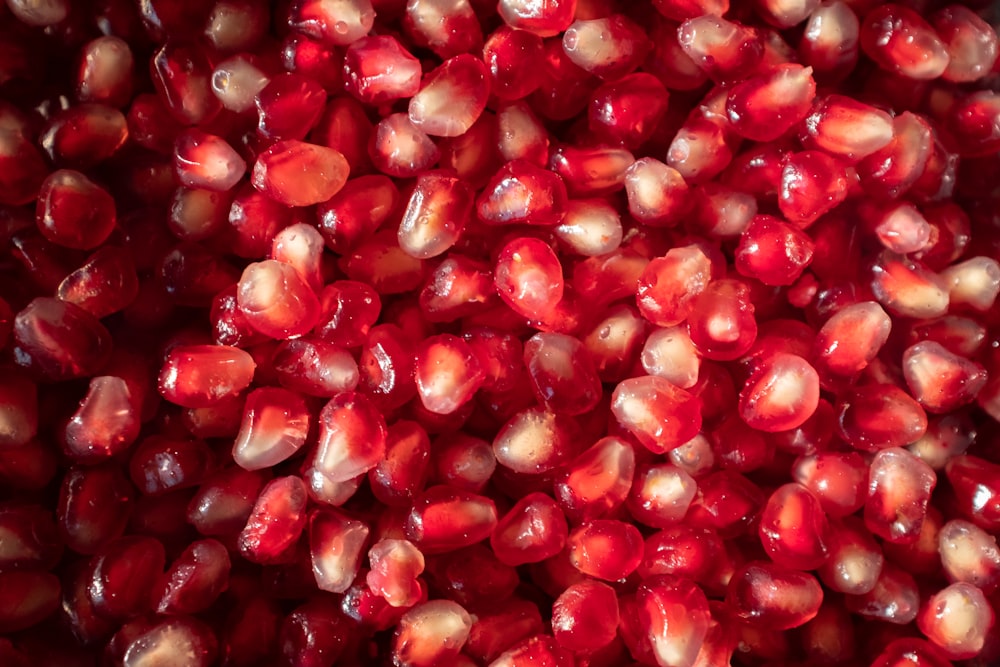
[{"x": 497, "y": 333}]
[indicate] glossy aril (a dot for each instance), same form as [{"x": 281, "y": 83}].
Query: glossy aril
[
  {"x": 295, "y": 173},
  {"x": 198, "y": 376},
  {"x": 725, "y": 50},
  {"x": 899, "y": 40},
  {"x": 768, "y": 595},
  {"x": 660, "y": 415},
  {"x": 104, "y": 425},
  {"x": 402, "y": 474},
  {"x": 839, "y": 480},
  {"x": 899, "y": 490},
  {"x": 878, "y": 416},
  {"x": 447, "y": 373},
  {"x": 351, "y": 440},
  {"x": 522, "y": 193},
  {"x": 289, "y": 106},
  {"x": 276, "y": 521},
  {"x": 94, "y": 506},
  {"x": 444, "y": 519},
  {"x": 543, "y": 20},
  {"x": 207, "y": 161},
  {"x": 528, "y": 277},
  {"x": 657, "y": 194},
  {"x": 767, "y": 106},
  {"x": 660, "y": 495},
  {"x": 276, "y": 301},
  {"x": 339, "y": 23},
  {"x": 59, "y": 340},
  {"x": 196, "y": 578},
  {"x": 435, "y": 215},
  {"x": 533, "y": 530},
  {"x": 773, "y": 251},
  {"x": 451, "y": 98},
  {"x": 597, "y": 481},
  {"x": 721, "y": 323},
  {"x": 27, "y": 598},
  {"x": 970, "y": 42},
  {"x": 855, "y": 559},
  {"x": 73, "y": 211},
  {"x": 336, "y": 547},
  {"x": 969, "y": 554},
  {"x": 84, "y": 136},
  {"x": 535, "y": 440},
  {"x": 846, "y": 128},
  {"x": 669, "y": 285},
  {"x": 120, "y": 576},
  {"x": 941, "y": 380},
  {"x": 793, "y": 528},
  {"x": 275, "y": 425},
  {"x": 812, "y": 184},
  {"x": 605, "y": 549},
  {"x": 181, "y": 73},
  {"x": 606, "y": 47},
  {"x": 585, "y": 616},
  {"x": 430, "y": 633}
]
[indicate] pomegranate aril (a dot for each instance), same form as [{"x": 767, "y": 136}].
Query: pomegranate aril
[
  {"x": 855, "y": 560},
  {"x": 199, "y": 376},
  {"x": 236, "y": 82},
  {"x": 974, "y": 482},
  {"x": 510, "y": 56},
  {"x": 59, "y": 340},
  {"x": 339, "y": 23},
  {"x": 289, "y": 106},
  {"x": 544, "y": 20},
  {"x": 830, "y": 41},
  {"x": 590, "y": 228},
  {"x": 181, "y": 73},
  {"x": 458, "y": 287},
  {"x": 431, "y": 633},
  {"x": 386, "y": 367},
  {"x": 812, "y": 184},
  {"x": 121, "y": 573},
  {"x": 957, "y": 619},
  {"x": 295, "y": 173},
  {"x": 793, "y": 529},
  {"x": 537, "y": 650},
  {"x": 399, "y": 148},
  {"x": 237, "y": 25},
  {"x": 899, "y": 40},
  {"x": 528, "y": 277},
  {"x": 970, "y": 42},
  {"x": 354, "y": 213},
  {"x": 724, "y": 50},
  {"x": 18, "y": 411},
  {"x": 657, "y": 193},
  {"x": 174, "y": 638},
  {"x": 899, "y": 490},
  {"x": 894, "y": 599},
  {"x": 605, "y": 549},
  {"x": 768, "y": 595},
  {"x": 521, "y": 192},
  {"x": 501, "y": 625},
  {"x": 660, "y": 495},
  {"x": 162, "y": 463},
  {"x": 336, "y": 546},
  {"x": 533, "y": 530},
  {"x": 94, "y": 505},
  {"x": 767, "y": 106},
  {"x": 902, "y": 229},
  {"x": 105, "y": 424},
  {"x": 585, "y": 616},
  {"x": 275, "y": 426},
  {"x": 352, "y": 435},
  {"x": 773, "y": 251},
  {"x": 893, "y": 169},
  {"x": 721, "y": 322},
  {"x": 846, "y": 128},
  {"x": 224, "y": 501},
  {"x": 435, "y": 216},
  {"x": 84, "y": 136},
  {"x": 314, "y": 634},
  {"x": 940, "y": 380},
  {"x": 608, "y": 47},
  {"x": 446, "y": 27},
  {"x": 974, "y": 283},
  {"x": 395, "y": 566},
  {"x": 30, "y": 537},
  {"x": 879, "y": 416},
  {"x": 660, "y": 415},
  {"x": 276, "y": 301},
  {"x": 444, "y": 519},
  {"x": 597, "y": 481},
  {"x": 839, "y": 480},
  {"x": 73, "y": 211},
  {"x": 463, "y": 461},
  {"x": 106, "y": 283},
  {"x": 970, "y": 555},
  {"x": 26, "y": 598},
  {"x": 447, "y": 373},
  {"x": 669, "y": 286},
  {"x": 207, "y": 161},
  {"x": 591, "y": 171},
  {"x": 451, "y": 98},
  {"x": 379, "y": 69},
  {"x": 276, "y": 521},
  {"x": 195, "y": 579}
]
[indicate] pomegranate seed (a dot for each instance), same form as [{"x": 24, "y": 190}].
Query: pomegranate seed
[
  {"x": 431, "y": 633},
  {"x": 254, "y": 219},
  {"x": 435, "y": 215},
  {"x": 386, "y": 367},
  {"x": 28, "y": 597},
  {"x": 197, "y": 376},
  {"x": 276, "y": 301},
  {"x": 275, "y": 426},
  {"x": 793, "y": 529},
  {"x": 435, "y": 109},
  {"x": 585, "y": 616},
  {"x": 379, "y": 69},
  {"x": 399, "y": 148},
  {"x": 940, "y": 380},
  {"x": 533, "y": 530},
  {"x": 313, "y": 634},
  {"x": 340, "y": 22},
  {"x": 195, "y": 579},
  {"x": 352, "y": 435},
  {"x": 177, "y": 638},
  {"x": 769, "y": 595},
  {"x": 534, "y": 441},
  {"x": 446, "y": 27},
  {"x": 969, "y": 554},
  {"x": 893, "y": 169},
  {"x": 895, "y": 598},
  {"x": 182, "y": 73},
  {"x": 590, "y": 228},
  {"x": 597, "y": 481},
  {"x": 773, "y": 251},
  {"x": 975, "y": 489},
  {"x": 289, "y": 106},
  {"x": 899, "y": 40},
  {"x": 84, "y": 136},
  {"x": 237, "y": 25},
  {"x": 672, "y": 620},
  {"x": 94, "y": 506},
  {"x": 354, "y": 213},
  {"x": 528, "y": 277},
  {"x": 336, "y": 544},
  {"x": 398, "y": 478},
  {"x": 878, "y": 416},
  {"x": 660, "y": 415},
  {"x": 970, "y": 42},
  {"x": 721, "y": 322},
  {"x": 907, "y": 288},
  {"x": 279, "y": 170},
  {"x": 846, "y": 128},
  {"x": 605, "y": 549},
  {"x": 206, "y": 161},
  {"x": 544, "y": 20},
  {"x": 957, "y": 619},
  {"x": 464, "y": 462},
  {"x": 724, "y": 50},
  {"x": 660, "y": 495},
  {"x": 669, "y": 286},
  {"x": 522, "y": 193},
  {"x": 59, "y": 340},
  {"x": 855, "y": 561},
  {"x": 236, "y": 82},
  {"x": 699, "y": 151},
  {"x": 120, "y": 574},
  {"x": 899, "y": 489},
  {"x": 767, "y": 106},
  {"x": 902, "y": 229},
  {"x": 537, "y": 650},
  {"x": 521, "y": 135},
  {"x": 447, "y": 373},
  {"x": 395, "y": 566},
  {"x": 345, "y": 126},
  {"x": 501, "y": 626},
  {"x": 657, "y": 194},
  {"x": 974, "y": 282},
  {"x": 103, "y": 426},
  {"x": 830, "y": 41},
  {"x": 812, "y": 184},
  {"x": 18, "y": 411},
  {"x": 839, "y": 480},
  {"x": 73, "y": 211},
  {"x": 970, "y": 124},
  {"x": 30, "y": 533},
  {"x": 160, "y": 464},
  {"x": 606, "y": 47},
  {"x": 275, "y": 522},
  {"x": 591, "y": 171},
  {"x": 444, "y": 519}
]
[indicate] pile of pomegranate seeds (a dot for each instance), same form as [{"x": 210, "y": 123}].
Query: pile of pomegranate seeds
[{"x": 479, "y": 333}]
